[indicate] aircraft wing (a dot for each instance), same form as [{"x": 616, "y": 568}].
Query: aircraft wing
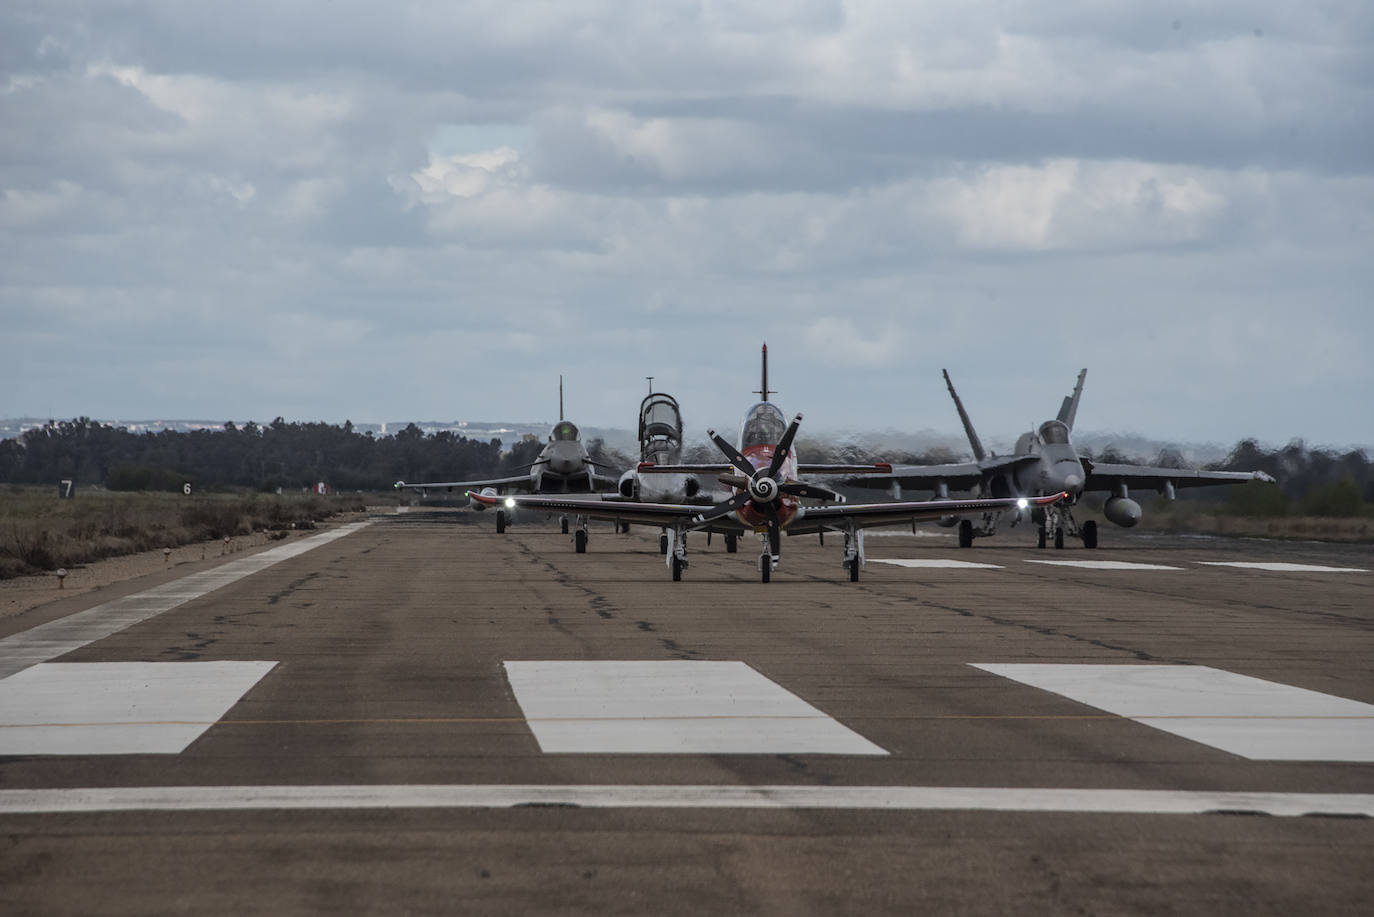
[
  {"x": 515, "y": 480},
  {"x": 1104, "y": 476},
  {"x": 663, "y": 514},
  {"x": 956, "y": 476},
  {"x": 815, "y": 518}
]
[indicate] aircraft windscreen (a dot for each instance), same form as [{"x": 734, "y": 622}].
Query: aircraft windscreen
[
  {"x": 660, "y": 418},
  {"x": 763, "y": 426},
  {"x": 564, "y": 431},
  {"x": 1054, "y": 432}
]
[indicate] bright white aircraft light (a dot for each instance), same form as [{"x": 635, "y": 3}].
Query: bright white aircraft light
[
  {"x": 1022, "y": 503},
  {"x": 510, "y": 503}
]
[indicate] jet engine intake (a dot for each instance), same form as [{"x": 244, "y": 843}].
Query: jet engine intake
[
  {"x": 626, "y": 486},
  {"x": 692, "y": 487},
  {"x": 1124, "y": 511}
]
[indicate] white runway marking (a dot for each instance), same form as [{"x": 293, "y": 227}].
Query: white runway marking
[
  {"x": 1103, "y": 565},
  {"x": 1282, "y": 567},
  {"x": 672, "y": 707},
  {"x": 118, "y": 708},
  {"x": 57, "y": 638},
  {"x": 936, "y": 564},
  {"x": 1250, "y": 717},
  {"x": 896, "y": 798}
]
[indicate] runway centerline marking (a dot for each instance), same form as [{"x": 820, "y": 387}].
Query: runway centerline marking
[
  {"x": 1278, "y": 567},
  {"x": 671, "y": 707},
  {"x": 498, "y": 796},
  {"x": 57, "y": 638},
  {"x": 118, "y": 708},
  {"x": 1256, "y": 719},
  {"x": 1104, "y": 565},
  {"x": 935, "y": 563}
]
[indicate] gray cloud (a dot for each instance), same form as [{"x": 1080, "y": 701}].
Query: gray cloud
[{"x": 344, "y": 210}]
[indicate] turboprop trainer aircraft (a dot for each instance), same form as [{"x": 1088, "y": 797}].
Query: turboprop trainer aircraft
[
  {"x": 763, "y": 473},
  {"x": 563, "y": 467},
  {"x": 1045, "y": 461}
]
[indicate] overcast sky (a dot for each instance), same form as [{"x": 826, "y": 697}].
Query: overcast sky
[{"x": 406, "y": 210}]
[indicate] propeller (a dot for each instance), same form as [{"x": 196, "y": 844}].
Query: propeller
[{"x": 760, "y": 486}]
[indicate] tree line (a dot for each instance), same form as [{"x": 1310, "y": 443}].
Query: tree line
[{"x": 295, "y": 456}]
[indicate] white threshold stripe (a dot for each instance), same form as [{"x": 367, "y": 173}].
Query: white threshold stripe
[
  {"x": 57, "y": 638},
  {"x": 497, "y": 796}
]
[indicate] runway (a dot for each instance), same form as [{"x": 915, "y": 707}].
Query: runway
[{"x": 417, "y": 714}]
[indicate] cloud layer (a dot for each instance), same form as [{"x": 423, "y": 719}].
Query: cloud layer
[{"x": 340, "y": 210}]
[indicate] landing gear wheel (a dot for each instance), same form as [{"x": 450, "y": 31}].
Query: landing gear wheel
[
  {"x": 580, "y": 541},
  {"x": 565, "y": 526},
  {"x": 677, "y": 569},
  {"x": 965, "y": 533},
  {"x": 765, "y": 567},
  {"x": 1090, "y": 534},
  {"x": 663, "y": 544},
  {"x": 500, "y": 522},
  {"x": 854, "y": 570},
  {"x": 731, "y": 544},
  {"x": 1059, "y": 539},
  {"x": 1039, "y": 536}
]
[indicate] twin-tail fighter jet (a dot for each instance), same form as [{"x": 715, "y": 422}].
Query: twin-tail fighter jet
[
  {"x": 1045, "y": 461},
  {"x": 563, "y": 467},
  {"x": 764, "y": 476}
]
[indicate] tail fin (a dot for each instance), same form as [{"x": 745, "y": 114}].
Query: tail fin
[
  {"x": 1069, "y": 409},
  {"x": 973, "y": 441},
  {"x": 763, "y": 389}
]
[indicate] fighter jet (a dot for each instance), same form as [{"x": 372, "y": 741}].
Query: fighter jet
[
  {"x": 763, "y": 474},
  {"x": 563, "y": 467},
  {"x": 1045, "y": 461}
]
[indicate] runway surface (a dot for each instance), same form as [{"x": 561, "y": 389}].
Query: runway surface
[{"x": 419, "y": 715}]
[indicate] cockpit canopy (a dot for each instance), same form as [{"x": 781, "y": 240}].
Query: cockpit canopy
[
  {"x": 1054, "y": 433},
  {"x": 764, "y": 425},
  {"x": 659, "y": 418},
  {"x": 565, "y": 431}
]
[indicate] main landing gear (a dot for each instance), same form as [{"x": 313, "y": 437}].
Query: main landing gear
[
  {"x": 674, "y": 542},
  {"x": 854, "y": 553},
  {"x": 579, "y": 534},
  {"x": 500, "y": 522}
]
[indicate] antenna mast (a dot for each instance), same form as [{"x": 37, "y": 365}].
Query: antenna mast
[{"x": 560, "y": 396}]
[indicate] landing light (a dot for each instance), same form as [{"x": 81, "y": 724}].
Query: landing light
[
  {"x": 510, "y": 503},
  {"x": 1022, "y": 503}
]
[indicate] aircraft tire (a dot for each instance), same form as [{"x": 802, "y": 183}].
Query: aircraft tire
[
  {"x": 854, "y": 570},
  {"x": 765, "y": 567},
  {"x": 1090, "y": 534},
  {"x": 663, "y": 543},
  {"x": 580, "y": 541},
  {"x": 565, "y": 526},
  {"x": 677, "y": 569},
  {"x": 965, "y": 533},
  {"x": 500, "y": 522},
  {"x": 1040, "y": 536},
  {"x": 731, "y": 544},
  {"x": 1059, "y": 539}
]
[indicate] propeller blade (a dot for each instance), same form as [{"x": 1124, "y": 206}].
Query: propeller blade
[
  {"x": 734, "y": 480},
  {"x": 724, "y": 509},
  {"x": 774, "y": 532},
  {"x": 784, "y": 446},
  {"x": 734, "y": 455},
  {"x": 811, "y": 491}
]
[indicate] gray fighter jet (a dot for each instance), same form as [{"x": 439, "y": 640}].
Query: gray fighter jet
[
  {"x": 563, "y": 467},
  {"x": 1045, "y": 462}
]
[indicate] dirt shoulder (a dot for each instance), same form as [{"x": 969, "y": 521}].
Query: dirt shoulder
[{"x": 26, "y": 593}]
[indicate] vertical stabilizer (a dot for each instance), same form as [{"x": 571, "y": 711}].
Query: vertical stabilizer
[
  {"x": 1069, "y": 409},
  {"x": 763, "y": 386},
  {"x": 560, "y": 397},
  {"x": 973, "y": 441}
]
